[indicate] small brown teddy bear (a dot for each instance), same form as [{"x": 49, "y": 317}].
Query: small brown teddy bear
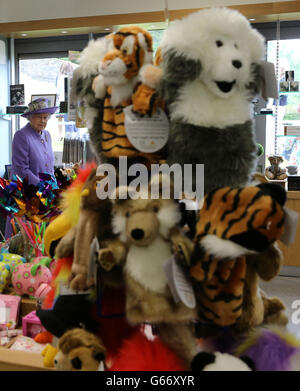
[
  {"x": 80, "y": 350},
  {"x": 274, "y": 171}
]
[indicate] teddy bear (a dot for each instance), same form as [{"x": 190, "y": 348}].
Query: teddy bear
[
  {"x": 211, "y": 69},
  {"x": 148, "y": 235},
  {"x": 217, "y": 361},
  {"x": 234, "y": 247},
  {"x": 274, "y": 171}
]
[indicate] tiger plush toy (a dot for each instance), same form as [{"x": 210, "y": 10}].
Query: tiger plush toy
[
  {"x": 234, "y": 244},
  {"x": 119, "y": 80}
]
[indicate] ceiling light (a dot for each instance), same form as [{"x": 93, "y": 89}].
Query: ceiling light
[
  {"x": 252, "y": 20},
  {"x": 152, "y": 27},
  {"x": 24, "y": 35},
  {"x": 64, "y": 32},
  {"x": 107, "y": 28}
]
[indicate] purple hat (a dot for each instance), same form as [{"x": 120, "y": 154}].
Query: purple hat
[{"x": 39, "y": 106}]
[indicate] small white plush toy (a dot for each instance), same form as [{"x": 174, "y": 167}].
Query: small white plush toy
[{"x": 217, "y": 361}]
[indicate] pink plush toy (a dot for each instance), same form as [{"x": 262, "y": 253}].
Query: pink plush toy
[{"x": 33, "y": 278}]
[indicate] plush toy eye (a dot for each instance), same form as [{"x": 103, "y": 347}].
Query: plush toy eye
[
  {"x": 219, "y": 43},
  {"x": 125, "y": 50},
  {"x": 76, "y": 363},
  {"x": 155, "y": 208}
]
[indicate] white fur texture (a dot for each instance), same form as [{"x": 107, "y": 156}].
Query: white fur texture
[
  {"x": 226, "y": 362},
  {"x": 203, "y": 102},
  {"x": 196, "y": 104},
  {"x": 91, "y": 56},
  {"x": 145, "y": 265},
  {"x": 119, "y": 226},
  {"x": 221, "y": 248},
  {"x": 100, "y": 87},
  {"x": 168, "y": 217},
  {"x": 122, "y": 92}
]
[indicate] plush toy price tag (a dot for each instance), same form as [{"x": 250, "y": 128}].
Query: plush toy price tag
[
  {"x": 270, "y": 86},
  {"x": 147, "y": 134},
  {"x": 290, "y": 226},
  {"x": 180, "y": 287}
]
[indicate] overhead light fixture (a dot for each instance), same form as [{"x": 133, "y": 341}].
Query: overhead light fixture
[
  {"x": 252, "y": 20},
  {"x": 152, "y": 27},
  {"x": 24, "y": 35},
  {"x": 64, "y": 32},
  {"x": 107, "y": 28}
]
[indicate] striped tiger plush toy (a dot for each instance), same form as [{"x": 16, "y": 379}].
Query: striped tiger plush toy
[
  {"x": 234, "y": 225},
  {"x": 119, "y": 86}
]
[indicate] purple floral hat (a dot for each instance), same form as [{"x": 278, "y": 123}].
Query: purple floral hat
[{"x": 39, "y": 106}]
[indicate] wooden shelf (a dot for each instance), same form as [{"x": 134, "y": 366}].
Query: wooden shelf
[{"x": 15, "y": 360}]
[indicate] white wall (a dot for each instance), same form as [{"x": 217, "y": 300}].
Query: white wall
[{"x": 25, "y": 10}]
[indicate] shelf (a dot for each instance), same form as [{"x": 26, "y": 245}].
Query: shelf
[
  {"x": 288, "y": 92},
  {"x": 288, "y": 135},
  {"x": 9, "y": 114},
  {"x": 258, "y": 114}
]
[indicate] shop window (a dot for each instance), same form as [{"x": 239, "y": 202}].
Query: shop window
[
  {"x": 46, "y": 76},
  {"x": 282, "y": 136}
]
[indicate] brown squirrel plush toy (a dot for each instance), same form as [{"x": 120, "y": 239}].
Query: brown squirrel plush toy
[{"x": 148, "y": 235}]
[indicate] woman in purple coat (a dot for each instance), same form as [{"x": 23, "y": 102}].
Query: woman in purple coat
[{"x": 32, "y": 148}]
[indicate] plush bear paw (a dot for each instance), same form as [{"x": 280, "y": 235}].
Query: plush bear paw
[{"x": 106, "y": 259}]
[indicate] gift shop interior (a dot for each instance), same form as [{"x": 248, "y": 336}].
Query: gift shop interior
[{"x": 124, "y": 245}]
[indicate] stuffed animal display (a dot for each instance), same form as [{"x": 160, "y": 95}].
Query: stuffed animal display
[
  {"x": 205, "y": 75},
  {"x": 210, "y": 72},
  {"x": 236, "y": 228},
  {"x": 274, "y": 171}
]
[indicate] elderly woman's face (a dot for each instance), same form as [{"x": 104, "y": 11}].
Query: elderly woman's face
[{"x": 39, "y": 121}]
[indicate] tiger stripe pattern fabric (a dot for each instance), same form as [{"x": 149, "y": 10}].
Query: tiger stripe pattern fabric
[
  {"x": 114, "y": 139},
  {"x": 247, "y": 216},
  {"x": 232, "y": 223}
]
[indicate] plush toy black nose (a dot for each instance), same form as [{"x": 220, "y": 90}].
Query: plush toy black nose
[
  {"x": 137, "y": 234},
  {"x": 237, "y": 64}
]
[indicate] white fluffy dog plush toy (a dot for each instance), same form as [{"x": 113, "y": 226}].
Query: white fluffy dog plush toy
[{"x": 211, "y": 71}]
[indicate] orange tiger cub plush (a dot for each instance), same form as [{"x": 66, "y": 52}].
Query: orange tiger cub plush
[{"x": 119, "y": 79}]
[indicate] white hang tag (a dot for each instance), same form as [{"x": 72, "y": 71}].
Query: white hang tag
[
  {"x": 147, "y": 134},
  {"x": 290, "y": 226},
  {"x": 93, "y": 258},
  {"x": 270, "y": 87},
  {"x": 101, "y": 366},
  {"x": 179, "y": 285}
]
